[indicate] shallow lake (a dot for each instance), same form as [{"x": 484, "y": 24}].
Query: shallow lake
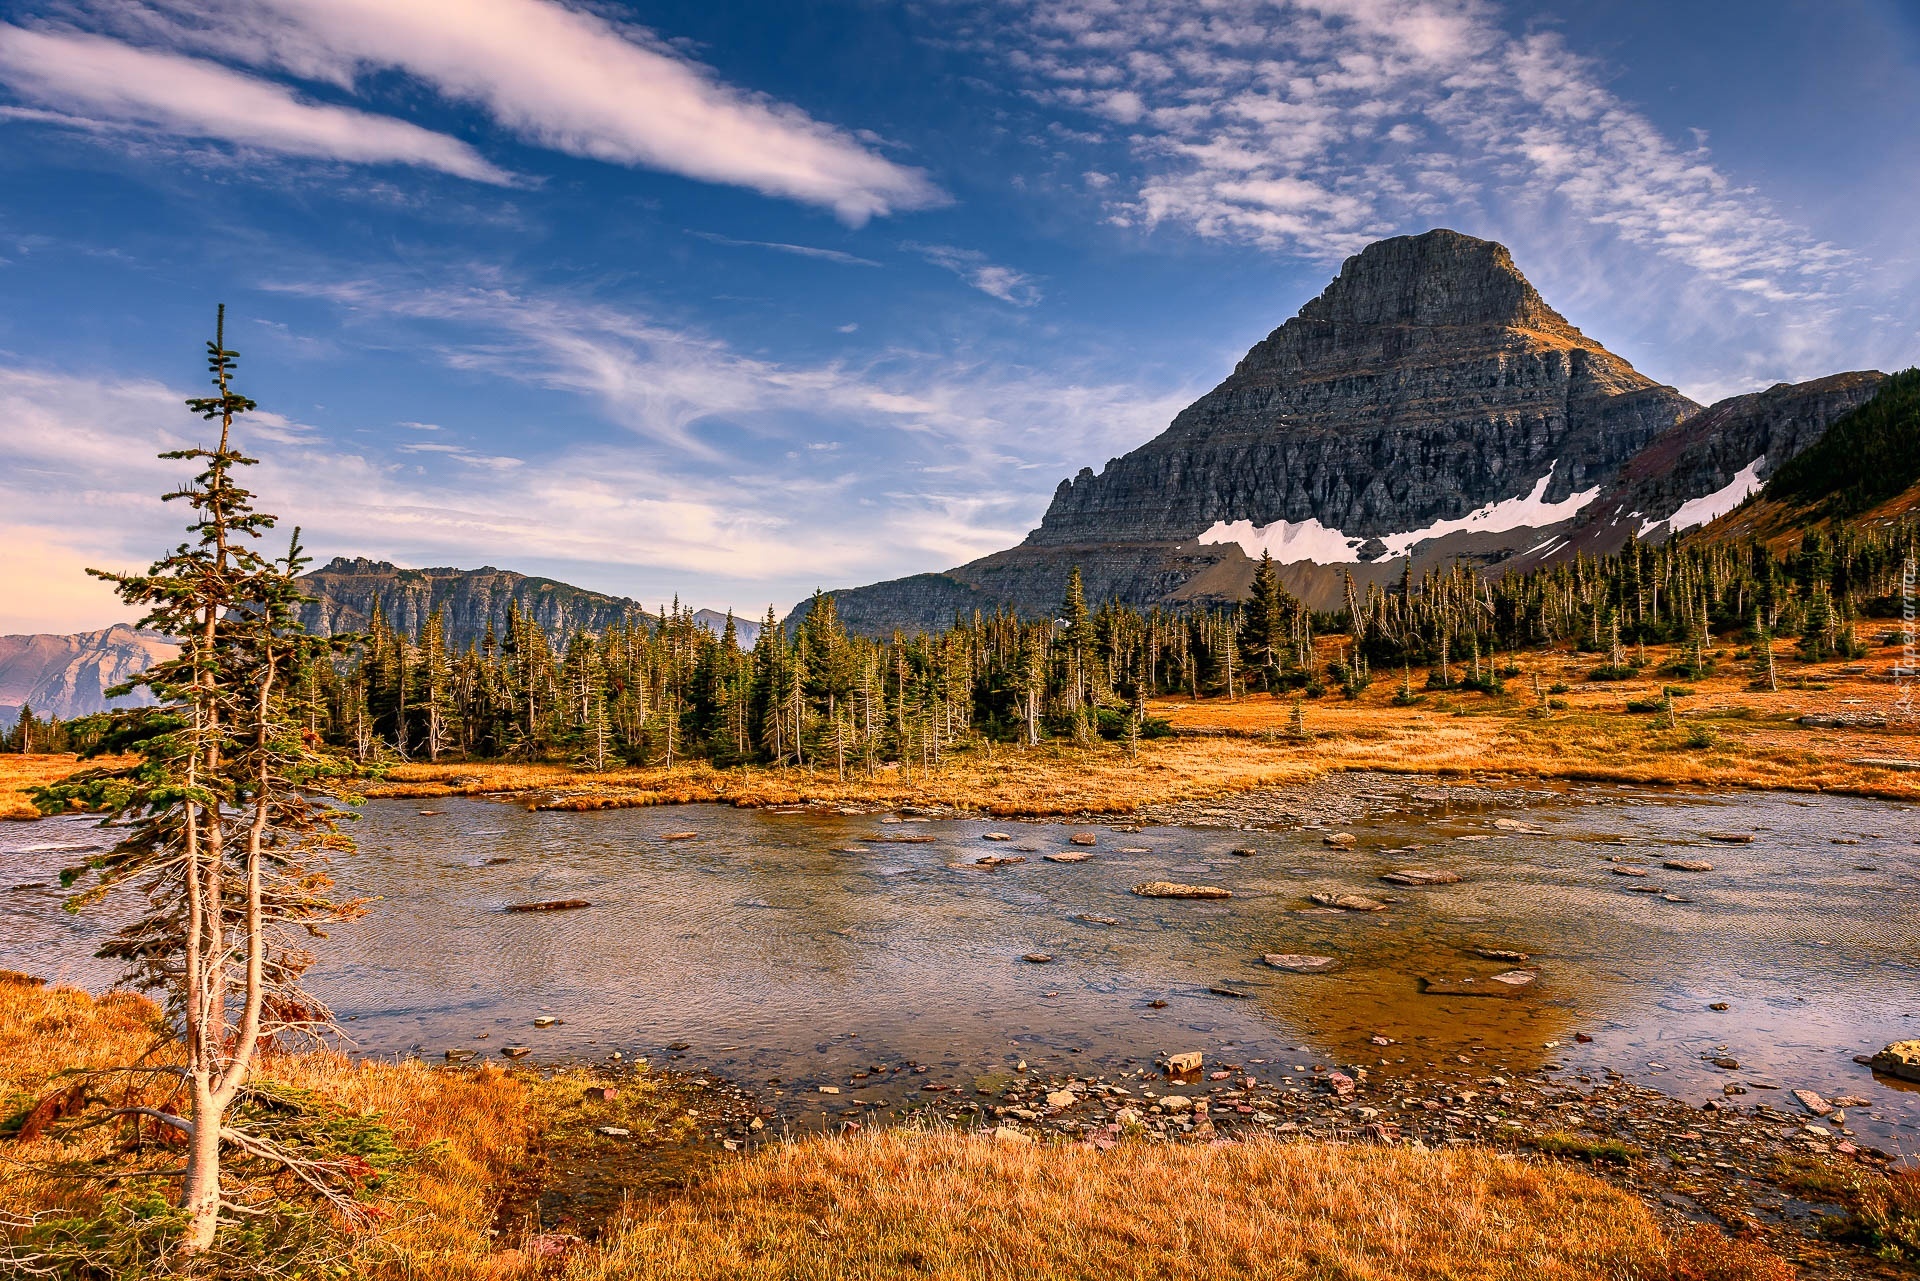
[{"x": 792, "y": 950}]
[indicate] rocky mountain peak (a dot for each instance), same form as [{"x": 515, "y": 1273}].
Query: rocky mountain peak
[
  {"x": 1441, "y": 278},
  {"x": 1435, "y": 296}
]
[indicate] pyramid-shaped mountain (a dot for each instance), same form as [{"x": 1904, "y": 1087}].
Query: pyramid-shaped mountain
[{"x": 1428, "y": 403}]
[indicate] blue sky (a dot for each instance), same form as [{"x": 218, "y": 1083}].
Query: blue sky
[{"x": 731, "y": 300}]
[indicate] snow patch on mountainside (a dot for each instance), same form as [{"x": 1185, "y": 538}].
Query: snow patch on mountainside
[
  {"x": 1711, "y": 507},
  {"x": 1290, "y": 541}
]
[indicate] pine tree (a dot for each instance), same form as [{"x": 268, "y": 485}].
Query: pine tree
[{"x": 223, "y": 818}]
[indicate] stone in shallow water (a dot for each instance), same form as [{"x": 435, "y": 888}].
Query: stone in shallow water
[
  {"x": 1686, "y": 865},
  {"x": 1515, "y": 978},
  {"x": 1298, "y": 962},
  {"x": 1900, "y": 1059},
  {"x": 1502, "y": 954},
  {"x": 1172, "y": 889},
  {"x": 1083, "y": 838},
  {"x": 1068, "y": 858},
  {"x": 1419, "y": 876},
  {"x": 1349, "y": 902},
  {"x": 1731, "y": 838},
  {"x": 1339, "y": 840}
]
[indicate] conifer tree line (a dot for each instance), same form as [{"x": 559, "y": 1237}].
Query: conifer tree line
[{"x": 664, "y": 689}]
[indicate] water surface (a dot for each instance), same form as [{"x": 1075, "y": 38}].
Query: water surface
[{"x": 806, "y": 948}]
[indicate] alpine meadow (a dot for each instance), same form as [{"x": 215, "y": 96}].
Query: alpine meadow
[{"x": 738, "y": 789}]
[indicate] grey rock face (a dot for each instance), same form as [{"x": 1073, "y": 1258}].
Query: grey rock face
[
  {"x": 1428, "y": 380},
  {"x": 68, "y": 676},
  {"x": 1704, "y": 454},
  {"x": 474, "y": 599}
]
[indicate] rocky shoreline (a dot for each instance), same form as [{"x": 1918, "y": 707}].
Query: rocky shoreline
[{"x": 1784, "y": 1171}]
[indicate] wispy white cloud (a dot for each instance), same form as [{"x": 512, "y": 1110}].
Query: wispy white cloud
[
  {"x": 1315, "y": 126},
  {"x": 802, "y": 251},
  {"x": 563, "y": 78},
  {"x": 94, "y": 82},
  {"x": 973, "y": 266}
]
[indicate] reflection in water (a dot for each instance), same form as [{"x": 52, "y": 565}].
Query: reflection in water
[{"x": 805, "y": 948}]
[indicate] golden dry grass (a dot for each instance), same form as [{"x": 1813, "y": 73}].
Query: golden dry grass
[
  {"x": 20, "y": 774},
  {"x": 472, "y": 1129},
  {"x": 906, "y": 1205},
  {"x": 896, "y": 1204}
]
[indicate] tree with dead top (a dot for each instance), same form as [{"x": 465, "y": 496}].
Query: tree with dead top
[{"x": 227, "y": 819}]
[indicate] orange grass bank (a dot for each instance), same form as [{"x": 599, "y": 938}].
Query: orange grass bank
[
  {"x": 893, "y": 1205},
  {"x": 20, "y": 773}
]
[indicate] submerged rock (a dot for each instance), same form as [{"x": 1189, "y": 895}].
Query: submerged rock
[
  {"x": 551, "y": 905},
  {"x": 1419, "y": 876},
  {"x": 1349, "y": 902},
  {"x": 1297, "y": 962}
]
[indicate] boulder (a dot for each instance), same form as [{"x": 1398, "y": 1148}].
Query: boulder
[
  {"x": 1176, "y": 1103},
  {"x": 1338, "y": 840},
  {"x": 1083, "y": 838},
  {"x": 996, "y": 836},
  {"x": 1062, "y": 1099},
  {"x": 1185, "y": 1066},
  {"x": 1813, "y": 1102},
  {"x": 1900, "y": 1059},
  {"x": 1172, "y": 889}
]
